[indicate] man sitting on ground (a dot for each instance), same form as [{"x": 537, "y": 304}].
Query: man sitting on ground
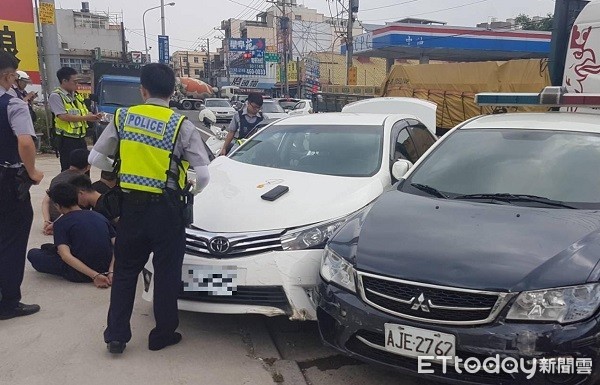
[
  {"x": 83, "y": 239},
  {"x": 78, "y": 165},
  {"x": 88, "y": 198},
  {"x": 108, "y": 180}
]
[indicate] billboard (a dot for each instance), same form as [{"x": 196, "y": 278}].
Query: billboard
[
  {"x": 17, "y": 35},
  {"x": 163, "y": 49},
  {"x": 246, "y": 57}
]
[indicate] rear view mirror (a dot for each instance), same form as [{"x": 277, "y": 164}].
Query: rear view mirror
[{"x": 400, "y": 168}]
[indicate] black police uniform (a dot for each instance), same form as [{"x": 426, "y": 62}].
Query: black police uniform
[
  {"x": 16, "y": 215},
  {"x": 246, "y": 128}
]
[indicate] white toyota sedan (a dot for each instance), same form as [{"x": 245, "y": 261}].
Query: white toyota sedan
[{"x": 261, "y": 225}]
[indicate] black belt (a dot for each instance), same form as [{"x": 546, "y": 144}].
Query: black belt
[{"x": 140, "y": 197}]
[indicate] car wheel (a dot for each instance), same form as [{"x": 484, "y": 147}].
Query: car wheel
[
  {"x": 197, "y": 105},
  {"x": 187, "y": 105}
]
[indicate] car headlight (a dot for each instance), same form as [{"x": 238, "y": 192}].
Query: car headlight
[
  {"x": 310, "y": 236},
  {"x": 337, "y": 270},
  {"x": 562, "y": 305}
]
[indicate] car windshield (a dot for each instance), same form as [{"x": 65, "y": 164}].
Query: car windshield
[
  {"x": 354, "y": 151},
  {"x": 562, "y": 166},
  {"x": 217, "y": 103},
  {"x": 121, "y": 94},
  {"x": 287, "y": 104},
  {"x": 272, "y": 107}
]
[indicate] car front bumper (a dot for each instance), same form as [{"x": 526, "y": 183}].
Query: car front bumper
[
  {"x": 273, "y": 283},
  {"x": 357, "y": 329}
]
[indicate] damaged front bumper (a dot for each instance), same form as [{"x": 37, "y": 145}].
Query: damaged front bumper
[
  {"x": 357, "y": 329},
  {"x": 273, "y": 283}
]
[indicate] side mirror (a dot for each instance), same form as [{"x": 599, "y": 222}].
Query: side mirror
[
  {"x": 94, "y": 98},
  {"x": 400, "y": 168}
]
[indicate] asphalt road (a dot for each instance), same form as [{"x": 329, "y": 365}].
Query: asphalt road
[{"x": 63, "y": 343}]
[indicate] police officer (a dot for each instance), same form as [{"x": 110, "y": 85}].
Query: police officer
[
  {"x": 153, "y": 146},
  {"x": 17, "y": 150},
  {"x": 19, "y": 90},
  {"x": 71, "y": 115},
  {"x": 243, "y": 123}
]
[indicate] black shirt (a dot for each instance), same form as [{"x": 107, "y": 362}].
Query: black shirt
[
  {"x": 88, "y": 235},
  {"x": 101, "y": 187}
]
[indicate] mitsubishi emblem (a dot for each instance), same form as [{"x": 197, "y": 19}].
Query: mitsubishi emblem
[{"x": 419, "y": 303}]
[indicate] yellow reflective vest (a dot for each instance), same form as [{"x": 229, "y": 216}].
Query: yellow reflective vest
[
  {"x": 74, "y": 106},
  {"x": 147, "y": 137}
]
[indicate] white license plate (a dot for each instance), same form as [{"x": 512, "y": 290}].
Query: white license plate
[
  {"x": 414, "y": 342},
  {"x": 214, "y": 280}
]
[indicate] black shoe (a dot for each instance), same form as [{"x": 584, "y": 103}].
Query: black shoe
[
  {"x": 116, "y": 347},
  {"x": 20, "y": 311},
  {"x": 163, "y": 343}
]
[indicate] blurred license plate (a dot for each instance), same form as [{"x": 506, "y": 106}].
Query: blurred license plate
[
  {"x": 414, "y": 342},
  {"x": 214, "y": 280}
]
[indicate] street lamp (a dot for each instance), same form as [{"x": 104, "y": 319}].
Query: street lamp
[{"x": 144, "y": 23}]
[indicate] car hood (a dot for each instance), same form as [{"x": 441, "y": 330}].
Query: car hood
[
  {"x": 478, "y": 245},
  {"x": 232, "y": 200}
]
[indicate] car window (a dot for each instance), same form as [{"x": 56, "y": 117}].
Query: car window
[
  {"x": 353, "y": 151},
  {"x": 217, "y": 103},
  {"x": 404, "y": 147},
  {"x": 563, "y": 166},
  {"x": 300, "y": 106},
  {"x": 272, "y": 107},
  {"x": 422, "y": 138}
]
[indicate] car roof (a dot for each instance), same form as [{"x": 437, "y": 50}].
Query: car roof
[
  {"x": 342, "y": 118},
  {"x": 558, "y": 120}
]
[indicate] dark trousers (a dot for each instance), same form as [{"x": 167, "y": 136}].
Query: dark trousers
[
  {"x": 66, "y": 146},
  {"x": 15, "y": 224},
  {"x": 155, "y": 227},
  {"x": 46, "y": 260}
]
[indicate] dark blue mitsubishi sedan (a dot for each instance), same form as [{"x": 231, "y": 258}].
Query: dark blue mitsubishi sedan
[{"x": 481, "y": 266}]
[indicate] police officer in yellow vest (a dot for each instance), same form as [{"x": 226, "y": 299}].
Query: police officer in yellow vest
[
  {"x": 71, "y": 115},
  {"x": 153, "y": 146}
]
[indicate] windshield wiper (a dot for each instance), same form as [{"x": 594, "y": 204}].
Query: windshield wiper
[
  {"x": 429, "y": 190},
  {"x": 516, "y": 198}
]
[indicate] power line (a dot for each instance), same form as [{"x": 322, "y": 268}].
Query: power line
[
  {"x": 437, "y": 10},
  {"x": 389, "y": 6}
]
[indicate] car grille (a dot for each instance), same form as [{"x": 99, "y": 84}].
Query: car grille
[
  {"x": 231, "y": 245},
  {"x": 273, "y": 296},
  {"x": 431, "y": 303}
]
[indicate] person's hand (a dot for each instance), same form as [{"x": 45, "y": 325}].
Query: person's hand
[
  {"x": 48, "y": 228},
  {"x": 93, "y": 117},
  {"x": 223, "y": 152},
  {"x": 101, "y": 281},
  {"x": 110, "y": 277},
  {"x": 36, "y": 176},
  {"x": 30, "y": 96}
]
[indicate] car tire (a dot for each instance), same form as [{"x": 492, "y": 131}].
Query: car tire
[
  {"x": 197, "y": 105},
  {"x": 186, "y": 105}
]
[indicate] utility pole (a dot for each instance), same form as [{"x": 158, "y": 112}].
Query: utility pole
[
  {"x": 283, "y": 29},
  {"x": 162, "y": 16},
  {"x": 352, "y": 9},
  {"x": 208, "y": 62},
  {"x": 51, "y": 50}
]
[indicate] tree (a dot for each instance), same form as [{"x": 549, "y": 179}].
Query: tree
[{"x": 525, "y": 22}]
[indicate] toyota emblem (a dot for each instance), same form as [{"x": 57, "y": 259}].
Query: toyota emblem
[{"x": 219, "y": 245}]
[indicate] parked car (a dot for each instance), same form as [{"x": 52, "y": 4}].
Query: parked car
[
  {"x": 272, "y": 110},
  {"x": 221, "y": 108},
  {"x": 489, "y": 245},
  {"x": 249, "y": 252},
  {"x": 287, "y": 103},
  {"x": 303, "y": 107}
]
